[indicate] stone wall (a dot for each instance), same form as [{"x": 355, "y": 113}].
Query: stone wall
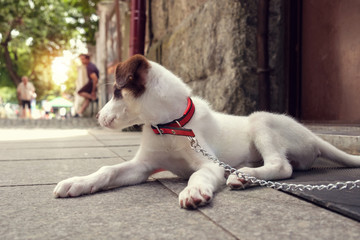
[
  {"x": 211, "y": 45},
  {"x": 276, "y": 56}
]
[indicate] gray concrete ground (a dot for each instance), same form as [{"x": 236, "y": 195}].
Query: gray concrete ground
[{"x": 33, "y": 159}]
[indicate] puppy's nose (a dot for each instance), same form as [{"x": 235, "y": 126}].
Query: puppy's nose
[{"x": 97, "y": 115}]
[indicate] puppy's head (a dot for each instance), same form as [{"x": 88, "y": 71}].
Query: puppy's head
[
  {"x": 130, "y": 79},
  {"x": 130, "y": 76}
]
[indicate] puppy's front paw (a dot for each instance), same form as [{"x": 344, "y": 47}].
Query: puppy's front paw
[
  {"x": 194, "y": 196},
  {"x": 236, "y": 183},
  {"x": 74, "y": 187}
]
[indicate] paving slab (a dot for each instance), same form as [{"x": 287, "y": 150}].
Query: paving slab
[
  {"x": 54, "y": 153},
  {"x": 147, "y": 211},
  {"x": 121, "y": 142},
  {"x": 263, "y": 213},
  {"x": 49, "y": 172},
  {"x": 21, "y": 134},
  {"x": 125, "y": 152},
  {"x": 68, "y": 123},
  {"x": 52, "y": 143},
  {"x": 113, "y": 139},
  {"x": 108, "y": 134}
]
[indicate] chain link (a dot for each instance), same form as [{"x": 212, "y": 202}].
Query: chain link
[{"x": 275, "y": 185}]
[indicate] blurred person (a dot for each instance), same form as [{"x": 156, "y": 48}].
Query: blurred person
[
  {"x": 81, "y": 81},
  {"x": 88, "y": 92},
  {"x": 62, "y": 112},
  {"x": 25, "y": 93},
  {"x": 47, "y": 109},
  {"x": 2, "y": 109}
]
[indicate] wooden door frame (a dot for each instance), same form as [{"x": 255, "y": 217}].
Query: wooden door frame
[{"x": 292, "y": 56}]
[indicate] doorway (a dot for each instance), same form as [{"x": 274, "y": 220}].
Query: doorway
[{"x": 325, "y": 57}]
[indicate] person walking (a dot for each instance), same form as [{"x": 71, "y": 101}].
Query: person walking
[
  {"x": 25, "y": 93},
  {"x": 89, "y": 90}
]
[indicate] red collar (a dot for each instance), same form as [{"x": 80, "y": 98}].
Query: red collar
[{"x": 176, "y": 127}]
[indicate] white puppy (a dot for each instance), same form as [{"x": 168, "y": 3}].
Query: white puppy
[{"x": 264, "y": 145}]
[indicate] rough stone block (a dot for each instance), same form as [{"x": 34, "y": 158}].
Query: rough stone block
[{"x": 213, "y": 50}]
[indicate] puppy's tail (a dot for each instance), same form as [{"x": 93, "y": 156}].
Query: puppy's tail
[{"x": 330, "y": 152}]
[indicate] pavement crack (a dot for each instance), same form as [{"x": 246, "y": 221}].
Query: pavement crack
[
  {"x": 55, "y": 159},
  {"x": 27, "y": 185},
  {"x": 199, "y": 211}
]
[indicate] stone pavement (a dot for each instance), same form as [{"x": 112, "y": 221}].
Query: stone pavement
[
  {"x": 82, "y": 123},
  {"x": 33, "y": 160}
]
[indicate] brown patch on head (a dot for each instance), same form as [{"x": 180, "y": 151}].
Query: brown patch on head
[{"x": 130, "y": 75}]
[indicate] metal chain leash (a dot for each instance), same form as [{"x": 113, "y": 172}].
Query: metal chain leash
[{"x": 275, "y": 185}]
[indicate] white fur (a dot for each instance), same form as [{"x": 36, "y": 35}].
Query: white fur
[{"x": 265, "y": 145}]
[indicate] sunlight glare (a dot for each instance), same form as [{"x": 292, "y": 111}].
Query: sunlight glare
[
  {"x": 60, "y": 67},
  {"x": 79, "y": 45},
  {"x": 14, "y": 33},
  {"x": 29, "y": 41}
]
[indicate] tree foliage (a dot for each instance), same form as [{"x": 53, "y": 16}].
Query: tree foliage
[
  {"x": 34, "y": 32},
  {"x": 84, "y": 14}
]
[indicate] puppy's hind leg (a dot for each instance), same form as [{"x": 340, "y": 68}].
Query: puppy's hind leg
[{"x": 276, "y": 165}]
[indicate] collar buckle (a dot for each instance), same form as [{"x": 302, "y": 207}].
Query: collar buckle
[{"x": 176, "y": 127}]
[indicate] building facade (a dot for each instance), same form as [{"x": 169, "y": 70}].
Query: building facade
[{"x": 246, "y": 55}]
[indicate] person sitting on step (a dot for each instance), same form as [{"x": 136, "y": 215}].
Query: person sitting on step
[{"x": 89, "y": 90}]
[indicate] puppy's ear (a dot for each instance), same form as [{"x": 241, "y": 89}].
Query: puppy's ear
[{"x": 132, "y": 74}]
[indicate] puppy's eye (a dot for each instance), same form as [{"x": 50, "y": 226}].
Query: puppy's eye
[
  {"x": 117, "y": 93},
  {"x": 130, "y": 78}
]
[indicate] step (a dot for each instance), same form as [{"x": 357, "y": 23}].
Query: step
[{"x": 346, "y": 138}]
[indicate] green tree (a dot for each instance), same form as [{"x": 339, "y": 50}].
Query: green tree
[
  {"x": 83, "y": 15},
  {"x": 33, "y": 32}
]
